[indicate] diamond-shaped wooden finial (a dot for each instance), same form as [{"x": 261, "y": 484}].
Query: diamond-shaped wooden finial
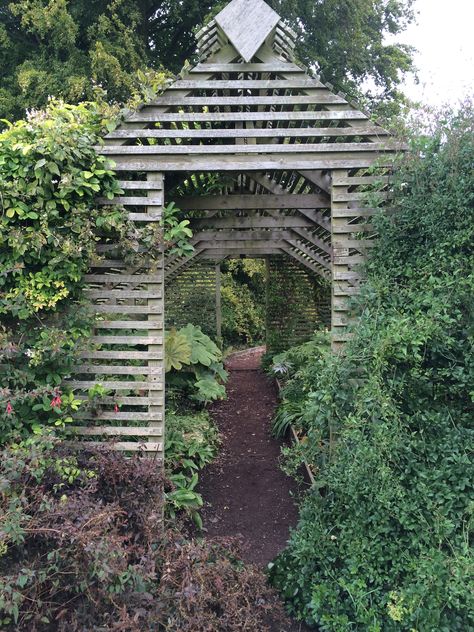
[{"x": 247, "y": 24}]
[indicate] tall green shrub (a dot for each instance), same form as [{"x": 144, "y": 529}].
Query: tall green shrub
[
  {"x": 50, "y": 221},
  {"x": 386, "y": 547}
]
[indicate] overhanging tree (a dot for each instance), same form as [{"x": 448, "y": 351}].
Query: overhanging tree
[{"x": 65, "y": 48}]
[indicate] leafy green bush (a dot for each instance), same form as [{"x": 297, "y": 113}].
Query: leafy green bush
[
  {"x": 386, "y": 548},
  {"x": 50, "y": 179},
  {"x": 191, "y": 443},
  {"x": 243, "y": 302},
  {"x": 83, "y": 547},
  {"x": 298, "y": 373},
  {"x": 194, "y": 365}
]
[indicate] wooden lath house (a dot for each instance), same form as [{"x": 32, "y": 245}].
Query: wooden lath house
[{"x": 295, "y": 159}]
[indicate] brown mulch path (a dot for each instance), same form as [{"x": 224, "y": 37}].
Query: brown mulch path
[{"x": 246, "y": 494}]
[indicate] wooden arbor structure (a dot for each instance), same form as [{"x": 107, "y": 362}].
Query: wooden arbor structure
[{"x": 300, "y": 158}]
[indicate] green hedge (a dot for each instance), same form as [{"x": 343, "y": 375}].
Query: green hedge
[{"x": 385, "y": 547}]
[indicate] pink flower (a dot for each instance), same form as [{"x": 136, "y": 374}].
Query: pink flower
[
  {"x": 9, "y": 408},
  {"x": 116, "y": 409},
  {"x": 56, "y": 401}
]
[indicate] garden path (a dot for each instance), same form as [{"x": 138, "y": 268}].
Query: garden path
[{"x": 246, "y": 494}]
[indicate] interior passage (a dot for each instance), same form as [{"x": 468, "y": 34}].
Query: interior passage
[{"x": 245, "y": 491}]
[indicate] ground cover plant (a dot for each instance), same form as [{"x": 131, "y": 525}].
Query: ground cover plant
[
  {"x": 83, "y": 546},
  {"x": 192, "y": 441},
  {"x": 383, "y": 543}
]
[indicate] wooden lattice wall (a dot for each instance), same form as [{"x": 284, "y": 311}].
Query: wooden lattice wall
[
  {"x": 353, "y": 236},
  {"x": 298, "y": 303},
  {"x": 190, "y": 297},
  {"x": 126, "y": 354}
]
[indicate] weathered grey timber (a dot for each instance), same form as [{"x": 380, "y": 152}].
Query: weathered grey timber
[{"x": 296, "y": 161}]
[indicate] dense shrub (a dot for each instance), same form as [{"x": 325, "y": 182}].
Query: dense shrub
[
  {"x": 83, "y": 548},
  {"x": 50, "y": 179},
  {"x": 51, "y": 219},
  {"x": 386, "y": 548}
]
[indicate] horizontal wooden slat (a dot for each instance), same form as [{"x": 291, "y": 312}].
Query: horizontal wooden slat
[
  {"x": 244, "y": 202},
  {"x": 120, "y": 263},
  {"x": 116, "y": 370},
  {"x": 128, "y": 446},
  {"x": 115, "y": 386},
  {"x": 345, "y": 291},
  {"x": 132, "y": 201},
  {"x": 324, "y": 115},
  {"x": 117, "y": 431},
  {"x": 353, "y": 243},
  {"x": 142, "y": 185},
  {"x": 127, "y": 310},
  {"x": 121, "y": 355},
  {"x": 356, "y": 212},
  {"x": 354, "y": 197},
  {"x": 246, "y": 84},
  {"x": 249, "y": 236},
  {"x": 359, "y": 180},
  {"x": 127, "y": 416},
  {"x": 123, "y": 278},
  {"x": 253, "y": 222},
  {"x": 123, "y": 294},
  {"x": 144, "y": 217},
  {"x": 243, "y": 162},
  {"x": 267, "y": 132},
  {"x": 126, "y": 401},
  {"x": 322, "y": 97},
  {"x": 272, "y": 66},
  {"x": 126, "y": 340},
  {"x": 129, "y": 324},
  {"x": 295, "y": 148},
  {"x": 346, "y": 276}
]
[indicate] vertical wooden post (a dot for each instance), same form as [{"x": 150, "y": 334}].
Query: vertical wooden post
[
  {"x": 340, "y": 269},
  {"x": 157, "y": 366},
  {"x": 267, "y": 295},
  {"x": 218, "y": 305}
]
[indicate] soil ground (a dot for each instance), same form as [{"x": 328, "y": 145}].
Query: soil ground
[{"x": 246, "y": 494}]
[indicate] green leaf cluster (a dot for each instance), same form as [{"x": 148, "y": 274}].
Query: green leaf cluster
[
  {"x": 384, "y": 539},
  {"x": 50, "y": 222},
  {"x": 194, "y": 366}
]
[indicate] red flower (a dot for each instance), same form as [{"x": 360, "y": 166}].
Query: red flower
[
  {"x": 9, "y": 408},
  {"x": 56, "y": 402},
  {"x": 116, "y": 408}
]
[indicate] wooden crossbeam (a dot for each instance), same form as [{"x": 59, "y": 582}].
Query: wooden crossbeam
[
  {"x": 323, "y": 98},
  {"x": 242, "y": 162},
  {"x": 248, "y": 223},
  {"x": 245, "y": 202},
  {"x": 234, "y": 236},
  {"x": 254, "y": 132},
  {"x": 146, "y": 116},
  {"x": 305, "y": 262},
  {"x": 275, "y": 148}
]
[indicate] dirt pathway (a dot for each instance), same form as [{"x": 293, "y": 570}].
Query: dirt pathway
[{"x": 246, "y": 493}]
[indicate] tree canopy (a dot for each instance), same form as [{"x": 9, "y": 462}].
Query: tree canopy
[{"x": 69, "y": 49}]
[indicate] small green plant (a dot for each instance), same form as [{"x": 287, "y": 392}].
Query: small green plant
[
  {"x": 176, "y": 232},
  {"x": 191, "y": 444}
]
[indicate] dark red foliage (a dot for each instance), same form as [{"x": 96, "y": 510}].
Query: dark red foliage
[{"x": 87, "y": 551}]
